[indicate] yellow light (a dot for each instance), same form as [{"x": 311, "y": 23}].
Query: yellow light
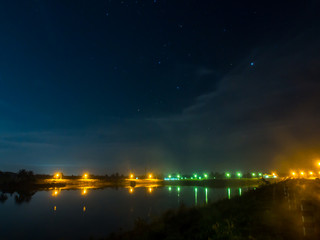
[
  {"x": 84, "y": 208},
  {"x": 85, "y": 176},
  {"x": 301, "y": 173},
  {"x": 84, "y": 191},
  {"x": 311, "y": 173},
  {"x": 318, "y": 163},
  {"x": 57, "y": 175},
  {"x": 150, "y": 190},
  {"x": 55, "y": 208},
  {"x": 131, "y": 190},
  {"x": 273, "y": 174},
  {"x": 293, "y": 173},
  {"x": 150, "y": 175},
  {"x": 131, "y": 176},
  {"x": 55, "y": 192}
]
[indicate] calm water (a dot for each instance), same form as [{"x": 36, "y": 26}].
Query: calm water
[{"x": 82, "y": 213}]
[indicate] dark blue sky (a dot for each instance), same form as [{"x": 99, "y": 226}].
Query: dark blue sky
[{"x": 168, "y": 85}]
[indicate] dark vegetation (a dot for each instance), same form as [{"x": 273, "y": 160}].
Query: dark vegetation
[{"x": 270, "y": 212}]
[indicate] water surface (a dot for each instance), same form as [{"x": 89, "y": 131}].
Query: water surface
[{"x": 85, "y": 212}]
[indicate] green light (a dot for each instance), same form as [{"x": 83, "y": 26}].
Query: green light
[
  {"x": 191, "y": 177},
  {"x": 206, "y": 175},
  {"x": 170, "y": 188},
  {"x": 195, "y": 175},
  {"x": 178, "y": 176},
  {"x": 228, "y": 175},
  {"x": 229, "y": 193},
  {"x": 253, "y": 174},
  {"x": 260, "y": 174},
  {"x": 196, "y": 196},
  {"x": 178, "y": 189},
  {"x": 200, "y": 178},
  {"x": 239, "y": 174},
  {"x": 169, "y": 176},
  {"x": 206, "y": 195},
  {"x": 240, "y": 191}
]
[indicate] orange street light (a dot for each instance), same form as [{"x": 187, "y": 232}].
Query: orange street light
[
  {"x": 85, "y": 176},
  {"x": 131, "y": 175},
  {"x": 57, "y": 175},
  {"x": 150, "y": 176}
]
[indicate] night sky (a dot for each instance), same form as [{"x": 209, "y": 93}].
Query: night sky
[{"x": 162, "y": 85}]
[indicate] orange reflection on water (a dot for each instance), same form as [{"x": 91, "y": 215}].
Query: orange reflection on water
[
  {"x": 84, "y": 191},
  {"x": 84, "y": 208},
  {"x": 131, "y": 190},
  {"x": 56, "y": 192},
  {"x": 150, "y": 190}
]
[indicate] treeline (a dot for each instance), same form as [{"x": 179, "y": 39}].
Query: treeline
[{"x": 23, "y": 176}]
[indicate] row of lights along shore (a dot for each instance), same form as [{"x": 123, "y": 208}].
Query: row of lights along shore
[{"x": 295, "y": 174}]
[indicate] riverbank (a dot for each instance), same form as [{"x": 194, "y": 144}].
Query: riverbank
[{"x": 285, "y": 210}]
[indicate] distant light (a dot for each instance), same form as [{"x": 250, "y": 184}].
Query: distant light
[
  {"x": 195, "y": 175},
  {"x": 150, "y": 175},
  {"x": 228, "y": 174},
  {"x": 252, "y": 64},
  {"x": 253, "y": 174},
  {"x": 150, "y": 190},
  {"x": 178, "y": 189},
  {"x": 137, "y": 178},
  {"x": 293, "y": 173},
  {"x": 302, "y": 173},
  {"x": 319, "y": 163},
  {"x": 58, "y": 175},
  {"x": 178, "y": 176},
  {"x": 200, "y": 178},
  {"x": 169, "y": 176},
  {"x": 273, "y": 174},
  {"x": 131, "y": 175},
  {"x": 131, "y": 190},
  {"x": 84, "y": 208},
  {"x": 206, "y": 175},
  {"x": 239, "y": 174},
  {"x": 55, "y": 208},
  {"x": 260, "y": 174},
  {"x": 311, "y": 173},
  {"x": 170, "y": 188},
  {"x": 85, "y": 176}
]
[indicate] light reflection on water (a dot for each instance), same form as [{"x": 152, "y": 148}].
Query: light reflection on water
[{"x": 84, "y": 212}]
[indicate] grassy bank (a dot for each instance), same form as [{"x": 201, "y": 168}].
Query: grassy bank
[{"x": 269, "y": 212}]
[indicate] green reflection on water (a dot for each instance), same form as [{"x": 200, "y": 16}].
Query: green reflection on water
[
  {"x": 196, "y": 196},
  {"x": 206, "y": 195},
  {"x": 229, "y": 193}
]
